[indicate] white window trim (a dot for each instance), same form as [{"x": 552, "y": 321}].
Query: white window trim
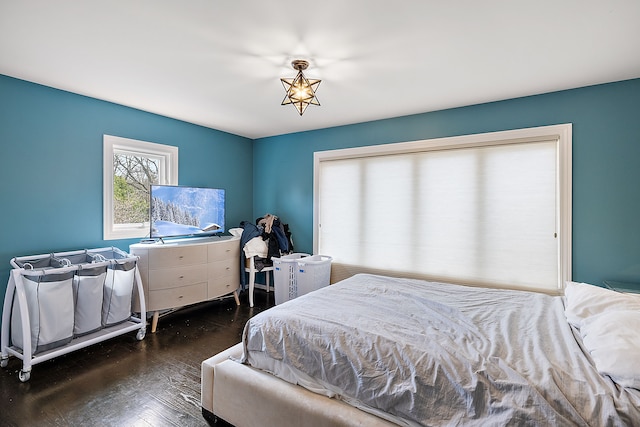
[
  {"x": 170, "y": 176},
  {"x": 562, "y": 133}
]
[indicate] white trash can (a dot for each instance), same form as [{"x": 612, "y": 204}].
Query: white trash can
[
  {"x": 313, "y": 273},
  {"x": 284, "y": 276}
]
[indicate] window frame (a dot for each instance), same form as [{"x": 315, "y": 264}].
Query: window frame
[
  {"x": 561, "y": 132},
  {"x": 168, "y": 174}
]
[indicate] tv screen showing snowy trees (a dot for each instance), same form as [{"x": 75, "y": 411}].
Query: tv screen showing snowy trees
[{"x": 186, "y": 211}]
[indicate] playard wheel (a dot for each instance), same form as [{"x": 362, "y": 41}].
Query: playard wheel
[
  {"x": 140, "y": 335},
  {"x": 24, "y": 376},
  {"x": 4, "y": 362}
]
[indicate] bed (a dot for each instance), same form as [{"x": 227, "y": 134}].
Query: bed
[{"x": 374, "y": 350}]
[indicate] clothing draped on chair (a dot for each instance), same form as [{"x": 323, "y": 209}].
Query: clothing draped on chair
[{"x": 267, "y": 238}]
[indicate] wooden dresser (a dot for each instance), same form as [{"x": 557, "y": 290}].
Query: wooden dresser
[{"x": 181, "y": 272}]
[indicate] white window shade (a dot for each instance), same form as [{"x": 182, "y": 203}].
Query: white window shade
[{"x": 485, "y": 211}]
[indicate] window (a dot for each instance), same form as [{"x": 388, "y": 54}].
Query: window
[
  {"x": 491, "y": 209},
  {"x": 130, "y": 167}
]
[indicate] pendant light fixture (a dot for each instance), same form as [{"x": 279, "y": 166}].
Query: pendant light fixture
[{"x": 300, "y": 90}]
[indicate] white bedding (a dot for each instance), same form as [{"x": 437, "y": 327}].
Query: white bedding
[{"x": 421, "y": 353}]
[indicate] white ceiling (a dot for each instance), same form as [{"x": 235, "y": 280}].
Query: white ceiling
[{"x": 218, "y": 63}]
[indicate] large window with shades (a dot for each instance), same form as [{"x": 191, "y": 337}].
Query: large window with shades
[{"x": 490, "y": 209}]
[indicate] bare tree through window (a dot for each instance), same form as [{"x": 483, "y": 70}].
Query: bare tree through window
[
  {"x": 133, "y": 176},
  {"x": 130, "y": 168}
]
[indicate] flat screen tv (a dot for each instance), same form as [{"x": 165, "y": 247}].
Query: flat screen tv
[{"x": 177, "y": 211}]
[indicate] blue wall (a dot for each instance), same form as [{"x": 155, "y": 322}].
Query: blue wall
[
  {"x": 51, "y": 167},
  {"x": 606, "y": 166}
]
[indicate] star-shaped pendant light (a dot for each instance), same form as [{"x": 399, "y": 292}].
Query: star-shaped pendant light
[{"x": 301, "y": 91}]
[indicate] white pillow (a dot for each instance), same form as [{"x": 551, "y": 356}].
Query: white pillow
[
  {"x": 584, "y": 300},
  {"x": 613, "y": 340}
]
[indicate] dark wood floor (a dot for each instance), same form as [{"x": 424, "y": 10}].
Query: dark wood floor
[{"x": 125, "y": 382}]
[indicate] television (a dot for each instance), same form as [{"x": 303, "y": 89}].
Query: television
[{"x": 177, "y": 211}]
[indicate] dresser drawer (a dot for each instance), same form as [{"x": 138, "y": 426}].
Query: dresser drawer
[
  {"x": 176, "y": 256},
  {"x": 224, "y": 249},
  {"x": 222, "y": 286},
  {"x": 218, "y": 269},
  {"x": 177, "y": 297},
  {"x": 175, "y": 277}
]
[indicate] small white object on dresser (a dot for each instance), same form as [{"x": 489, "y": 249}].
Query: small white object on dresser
[{"x": 180, "y": 272}]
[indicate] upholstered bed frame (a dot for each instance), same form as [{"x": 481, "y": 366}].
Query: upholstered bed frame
[
  {"x": 244, "y": 396},
  {"x": 403, "y": 349}
]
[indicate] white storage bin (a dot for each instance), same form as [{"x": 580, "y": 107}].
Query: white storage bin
[
  {"x": 118, "y": 288},
  {"x": 313, "y": 273},
  {"x": 49, "y": 308},
  {"x": 284, "y": 276},
  {"x": 88, "y": 284},
  {"x": 118, "y": 284}
]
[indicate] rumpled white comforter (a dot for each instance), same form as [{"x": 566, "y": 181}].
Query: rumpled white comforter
[{"x": 423, "y": 353}]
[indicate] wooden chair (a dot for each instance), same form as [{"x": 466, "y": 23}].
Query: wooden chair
[{"x": 251, "y": 269}]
